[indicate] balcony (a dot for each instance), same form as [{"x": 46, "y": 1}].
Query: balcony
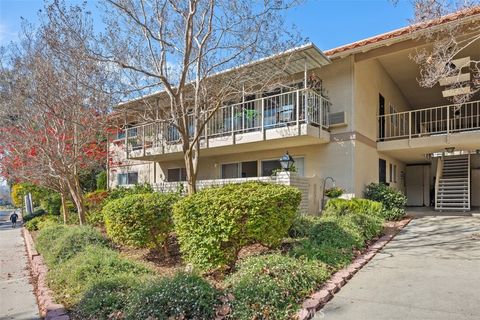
[
  {"x": 431, "y": 129},
  {"x": 288, "y": 119}
]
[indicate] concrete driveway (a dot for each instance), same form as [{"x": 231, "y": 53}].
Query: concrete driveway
[{"x": 431, "y": 270}]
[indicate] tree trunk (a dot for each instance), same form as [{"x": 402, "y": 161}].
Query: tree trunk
[
  {"x": 191, "y": 173},
  {"x": 64, "y": 207},
  {"x": 77, "y": 196}
]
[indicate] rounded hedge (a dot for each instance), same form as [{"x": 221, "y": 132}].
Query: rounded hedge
[
  {"x": 140, "y": 220},
  {"x": 215, "y": 223},
  {"x": 272, "y": 286},
  {"x": 183, "y": 296},
  {"x": 59, "y": 243}
]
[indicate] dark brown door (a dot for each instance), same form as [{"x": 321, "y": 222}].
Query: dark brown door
[
  {"x": 381, "y": 119},
  {"x": 382, "y": 171}
]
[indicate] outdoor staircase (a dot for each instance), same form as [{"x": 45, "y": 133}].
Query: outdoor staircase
[{"x": 453, "y": 186}]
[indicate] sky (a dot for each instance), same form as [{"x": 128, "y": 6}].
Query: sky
[{"x": 327, "y": 23}]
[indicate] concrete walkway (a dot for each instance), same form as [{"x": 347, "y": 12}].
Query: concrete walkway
[
  {"x": 17, "y": 300},
  {"x": 431, "y": 270}
]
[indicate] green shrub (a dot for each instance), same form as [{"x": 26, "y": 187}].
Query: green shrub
[
  {"x": 302, "y": 226},
  {"x": 101, "y": 180},
  {"x": 95, "y": 201},
  {"x": 52, "y": 203},
  {"x": 41, "y": 222},
  {"x": 140, "y": 220},
  {"x": 106, "y": 297},
  {"x": 214, "y": 224},
  {"x": 184, "y": 296},
  {"x": 36, "y": 213},
  {"x": 121, "y": 192},
  {"x": 393, "y": 200},
  {"x": 74, "y": 277},
  {"x": 58, "y": 243},
  {"x": 344, "y": 226},
  {"x": 271, "y": 286}
]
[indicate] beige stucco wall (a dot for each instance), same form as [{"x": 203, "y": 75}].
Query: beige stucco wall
[
  {"x": 371, "y": 79},
  {"x": 339, "y": 81}
]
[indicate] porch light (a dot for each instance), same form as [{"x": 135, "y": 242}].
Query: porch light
[{"x": 286, "y": 161}]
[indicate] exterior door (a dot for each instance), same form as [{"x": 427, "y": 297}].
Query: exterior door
[
  {"x": 381, "y": 120},
  {"x": 382, "y": 171},
  {"x": 418, "y": 185}
]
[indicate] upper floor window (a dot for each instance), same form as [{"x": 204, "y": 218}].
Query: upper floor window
[
  {"x": 127, "y": 178},
  {"x": 121, "y": 134}
]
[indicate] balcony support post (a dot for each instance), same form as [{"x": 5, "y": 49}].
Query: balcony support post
[
  {"x": 297, "y": 97},
  {"x": 143, "y": 139},
  {"x": 448, "y": 125},
  {"x": 232, "y": 119},
  {"x": 409, "y": 127},
  {"x": 126, "y": 139},
  {"x": 262, "y": 117},
  {"x": 205, "y": 128}
]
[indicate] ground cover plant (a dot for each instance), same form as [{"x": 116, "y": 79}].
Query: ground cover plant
[
  {"x": 272, "y": 286},
  {"x": 60, "y": 243},
  {"x": 343, "y": 228}
]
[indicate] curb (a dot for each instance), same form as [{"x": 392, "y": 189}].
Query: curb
[
  {"x": 317, "y": 300},
  {"x": 48, "y": 308}
]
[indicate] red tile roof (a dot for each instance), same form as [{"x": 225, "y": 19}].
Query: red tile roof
[{"x": 405, "y": 30}]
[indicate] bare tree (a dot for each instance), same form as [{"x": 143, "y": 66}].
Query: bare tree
[
  {"x": 449, "y": 38},
  {"x": 190, "y": 50},
  {"x": 53, "y": 106}
]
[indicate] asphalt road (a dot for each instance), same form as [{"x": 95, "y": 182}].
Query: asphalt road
[{"x": 17, "y": 300}]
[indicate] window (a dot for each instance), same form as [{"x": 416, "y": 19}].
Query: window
[
  {"x": 230, "y": 170},
  {"x": 239, "y": 170},
  {"x": 127, "y": 178},
  {"x": 177, "y": 174},
  {"x": 393, "y": 172},
  {"x": 121, "y": 134},
  {"x": 132, "y": 132},
  {"x": 268, "y": 166}
]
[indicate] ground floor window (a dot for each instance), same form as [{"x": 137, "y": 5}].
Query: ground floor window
[
  {"x": 245, "y": 169},
  {"x": 177, "y": 174},
  {"x": 270, "y": 166},
  {"x": 127, "y": 178}
]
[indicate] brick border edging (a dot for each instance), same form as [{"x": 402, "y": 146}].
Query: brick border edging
[
  {"x": 317, "y": 300},
  {"x": 48, "y": 308}
]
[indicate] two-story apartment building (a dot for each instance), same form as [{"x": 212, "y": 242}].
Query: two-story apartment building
[{"x": 369, "y": 122}]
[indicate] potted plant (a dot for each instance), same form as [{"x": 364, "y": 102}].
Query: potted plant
[{"x": 334, "y": 192}]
